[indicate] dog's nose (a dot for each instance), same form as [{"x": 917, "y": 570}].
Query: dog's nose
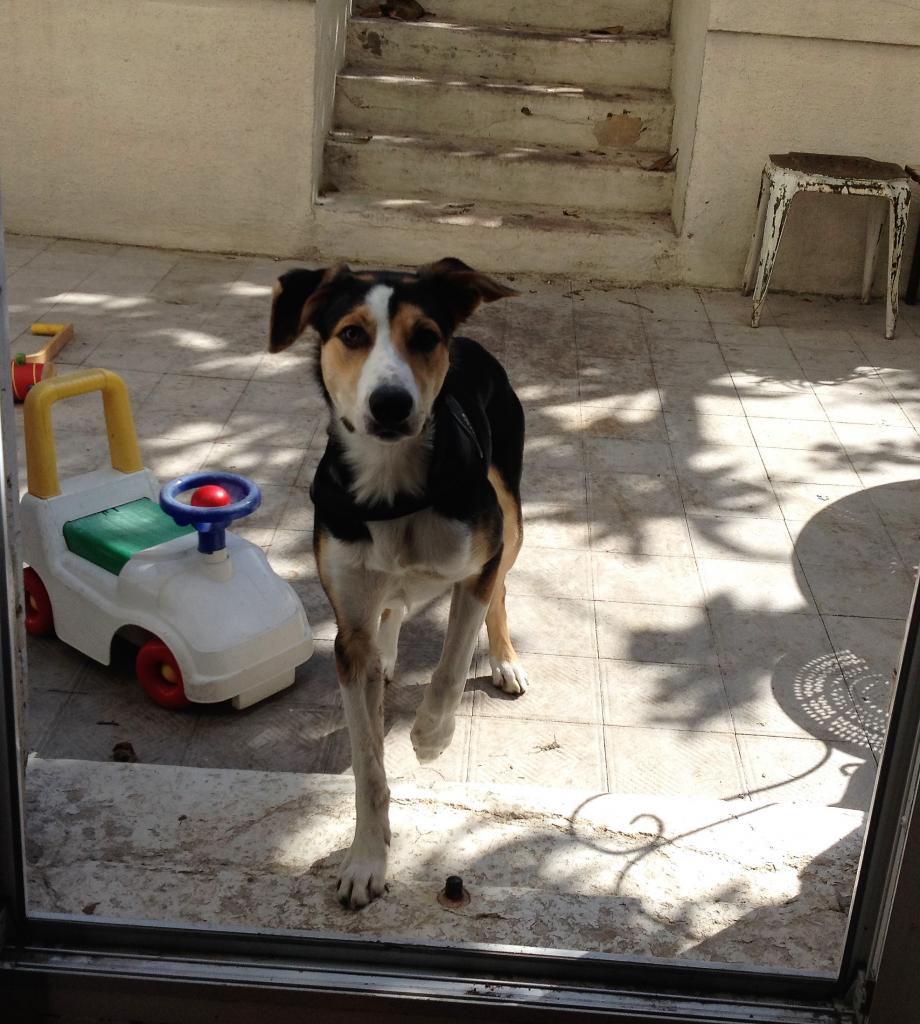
[{"x": 389, "y": 405}]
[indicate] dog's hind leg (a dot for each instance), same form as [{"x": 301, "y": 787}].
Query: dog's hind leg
[
  {"x": 388, "y": 639},
  {"x": 433, "y": 728},
  {"x": 507, "y": 671}
]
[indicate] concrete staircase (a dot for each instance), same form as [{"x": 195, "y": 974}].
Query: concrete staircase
[{"x": 519, "y": 136}]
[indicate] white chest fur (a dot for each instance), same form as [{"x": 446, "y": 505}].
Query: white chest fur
[
  {"x": 411, "y": 559},
  {"x": 423, "y": 544}
]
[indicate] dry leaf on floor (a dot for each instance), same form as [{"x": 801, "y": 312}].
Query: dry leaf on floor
[
  {"x": 662, "y": 164},
  {"x": 403, "y": 10},
  {"x": 124, "y": 752}
]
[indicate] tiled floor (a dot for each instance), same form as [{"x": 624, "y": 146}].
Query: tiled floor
[{"x": 721, "y": 528}]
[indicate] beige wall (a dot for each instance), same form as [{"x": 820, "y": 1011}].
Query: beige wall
[
  {"x": 689, "y": 32},
  {"x": 763, "y": 92},
  {"x": 200, "y": 123},
  {"x": 186, "y": 123},
  {"x": 874, "y": 21},
  {"x": 331, "y": 24}
]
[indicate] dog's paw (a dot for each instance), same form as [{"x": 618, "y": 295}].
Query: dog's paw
[
  {"x": 388, "y": 666},
  {"x": 362, "y": 877},
  {"x": 431, "y": 736},
  {"x": 509, "y": 676}
]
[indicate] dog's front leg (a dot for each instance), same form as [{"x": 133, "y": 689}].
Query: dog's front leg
[
  {"x": 362, "y": 876},
  {"x": 433, "y": 728},
  {"x": 388, "y": 639}
]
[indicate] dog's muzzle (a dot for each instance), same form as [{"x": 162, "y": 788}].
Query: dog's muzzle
[{"x": 390, "y": 410}]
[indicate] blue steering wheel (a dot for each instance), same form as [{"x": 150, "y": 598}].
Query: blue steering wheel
[{"x": 211, "y": 522}]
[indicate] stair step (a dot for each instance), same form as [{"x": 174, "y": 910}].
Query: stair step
[
  {"x": 553, "y": 115},
  {"x": 502, "y": 238},
  {"x": 582, "y": 15},
  {"x": 743, "y": 881},
  {"x": 514, "y": 54},
  {"x": 417, "y": 166}
]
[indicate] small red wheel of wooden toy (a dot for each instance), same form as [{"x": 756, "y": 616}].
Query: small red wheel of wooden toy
[
  {"x": 39, "y": 617},
  {"x": 160, "y": 675}
]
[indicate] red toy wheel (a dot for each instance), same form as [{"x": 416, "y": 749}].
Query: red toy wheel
[
  {"x": 39, "y": 617},
  {"x": 160, "y": 675}
]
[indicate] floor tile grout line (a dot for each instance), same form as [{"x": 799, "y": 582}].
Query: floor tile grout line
[
  {"x": 37, "y": 742},
  {"x": 94, "y": 270},
  {"x": 746, "y": 789},
  {"x": 863, "y": 485},
  {"x": 767, "y": 475},
  {"x": 584, "y": 454},
  {"x": 851, "y": 333},
  {"x": 797, "y": 561},
  {"x": 680, "y": 492},
  {"x": 466, "y": 770},
  {"x": 151, "y": 286},
  {"x": 801, "y": 567},
  {"x": 37, "y": 252},
  {"x": 894, "y": 397},
  {"x": 849, "y": 688},
  {"x": 49, "y": 310},
  {"x": 606, "y": 754}
]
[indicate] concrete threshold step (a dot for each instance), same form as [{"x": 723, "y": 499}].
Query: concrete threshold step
[
  {"x": 626, "y": 60},
  {"x": 736, "y": 881},
  {"x": 580, "y": 15},
  {"x": 552, "y": 115},
  {"x": 501, "y": 238},
  {"x": 487, "y": 171}
]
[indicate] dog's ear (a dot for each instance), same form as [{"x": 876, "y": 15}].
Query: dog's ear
[
  {"x": 296, "y": 297},
  {"x": 461, "y": 288}
]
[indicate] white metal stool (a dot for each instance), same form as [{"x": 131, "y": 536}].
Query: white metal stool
[{"x": 787, "y": 174}]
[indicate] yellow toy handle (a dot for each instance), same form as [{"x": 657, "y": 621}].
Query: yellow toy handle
[{"x": 41, "y": 455}]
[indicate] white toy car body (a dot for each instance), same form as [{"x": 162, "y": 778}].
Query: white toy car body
[{"x": 234, "y": 628}]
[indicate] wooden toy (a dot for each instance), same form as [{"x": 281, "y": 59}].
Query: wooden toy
[{"x": 28, "y": 370}]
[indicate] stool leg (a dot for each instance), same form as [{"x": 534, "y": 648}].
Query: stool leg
[
  {"x": 913, "y": 282},
  {"x": 757, "y": 237},
  {"x": 897, "y": 232},
  {"x": 782, "y": 189},
  {"x": 875, "y": 221}
]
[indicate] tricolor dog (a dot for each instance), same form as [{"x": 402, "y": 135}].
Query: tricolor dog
[{"x": 418, "y": 491}]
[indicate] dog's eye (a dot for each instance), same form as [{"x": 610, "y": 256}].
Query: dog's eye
[
  {"x": 424, "y": 339},
  {"x": 353, "y": 336}
]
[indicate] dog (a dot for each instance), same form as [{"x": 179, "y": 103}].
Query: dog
[{"x": 418, "y": 491}]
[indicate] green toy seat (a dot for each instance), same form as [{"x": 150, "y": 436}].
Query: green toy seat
[{"x": 109, "y": 538}]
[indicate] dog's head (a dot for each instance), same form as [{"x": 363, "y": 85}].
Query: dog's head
[{"x": 384, "y": 337}]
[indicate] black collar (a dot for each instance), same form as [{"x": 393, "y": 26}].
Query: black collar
[{"x": 457, "y": 451}]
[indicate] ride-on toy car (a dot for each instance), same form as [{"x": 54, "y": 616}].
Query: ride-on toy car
[{"x": 109, "y": 554}]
